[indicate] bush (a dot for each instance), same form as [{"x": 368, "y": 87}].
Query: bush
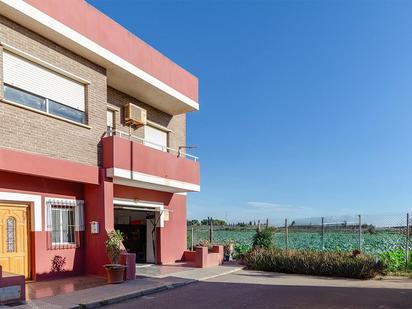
[
  {"x": 240, "y": 251},
  {"x": 336, "y": 264},
  {"x": 395, "y": 261},
  {"x": 263, "y": 239}
]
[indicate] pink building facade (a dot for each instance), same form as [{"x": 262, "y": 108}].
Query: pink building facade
[{"x": 72, "y": 166}]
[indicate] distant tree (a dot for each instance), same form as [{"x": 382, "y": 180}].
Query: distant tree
[
  {"x": 371, "y": 229},
  {"x": 218, "y": 222},
  {"x": 263, "y": 238},
  {"x": 214, "y": 222},
  {"x": 193, "y": 222}
]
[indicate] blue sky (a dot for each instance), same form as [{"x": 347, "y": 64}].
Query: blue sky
[{"x": 305, "y": 106}]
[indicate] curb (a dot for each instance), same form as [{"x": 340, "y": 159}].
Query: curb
[{"x": 122, "y": 298}]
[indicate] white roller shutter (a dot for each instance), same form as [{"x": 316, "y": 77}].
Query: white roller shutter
[
  {"x": 34, "y": 78},
  {"x": 155, "y": 138}
]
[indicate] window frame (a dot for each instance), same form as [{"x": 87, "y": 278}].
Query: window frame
[
  {"x": 113, "y": 114},
  {"x": 61, "y": 231},
  {"x": 77, "y": 223},
  {"x": 153, "y": 144},
  {"x": 46, "y": 103}
]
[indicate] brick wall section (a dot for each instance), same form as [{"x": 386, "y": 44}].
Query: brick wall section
[
  {"x": 177, "y": 124},
  {"x": 25, "y": 130}
]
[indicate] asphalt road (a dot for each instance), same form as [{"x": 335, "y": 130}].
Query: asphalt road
[{"x": 248, "y": 290}]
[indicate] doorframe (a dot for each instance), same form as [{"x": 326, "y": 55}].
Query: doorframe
[{"x": 28, "y": 207}]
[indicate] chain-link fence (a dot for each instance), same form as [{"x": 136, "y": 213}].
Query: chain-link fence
[{"x": 371, "y": 234}]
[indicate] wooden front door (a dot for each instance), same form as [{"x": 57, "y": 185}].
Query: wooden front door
[{"x": 14, "y": 256}]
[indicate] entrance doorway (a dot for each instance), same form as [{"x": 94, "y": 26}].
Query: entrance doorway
[
  {"x": 137, "y": 227},
  {"x": 14, "y": 254},
  {"x": 139, "y": 221}
]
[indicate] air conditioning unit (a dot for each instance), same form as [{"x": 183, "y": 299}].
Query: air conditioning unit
[{"x": 134, "y": 115}]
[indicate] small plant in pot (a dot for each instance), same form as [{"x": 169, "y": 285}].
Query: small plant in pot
[{"x": 115, "y": 271}]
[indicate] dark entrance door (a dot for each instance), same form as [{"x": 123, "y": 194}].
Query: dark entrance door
[{"x": 135, "y": 242}]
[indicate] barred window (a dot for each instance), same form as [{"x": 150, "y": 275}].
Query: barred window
[
  {"x": 64, "y": 222},
  {"x": 62, "y": 225}
]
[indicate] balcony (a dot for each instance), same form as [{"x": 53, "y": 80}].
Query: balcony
[{"x": 129, "y": 161}]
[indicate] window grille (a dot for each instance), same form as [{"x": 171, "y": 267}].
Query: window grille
[
  {"x": 11, "y": 234},
  {"x": 64, "y": 223}
]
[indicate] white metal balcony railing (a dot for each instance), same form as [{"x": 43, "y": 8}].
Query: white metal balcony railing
[{"x": 178, "y": 152}]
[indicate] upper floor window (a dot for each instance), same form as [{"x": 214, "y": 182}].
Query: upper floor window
[
  {"x": 30, "y": 84},
  {"x": 155, "y": 138},
  {"x": 110, "y": 120}
]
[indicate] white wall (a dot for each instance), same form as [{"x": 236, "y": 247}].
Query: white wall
[{"x": 149, "y": 243}]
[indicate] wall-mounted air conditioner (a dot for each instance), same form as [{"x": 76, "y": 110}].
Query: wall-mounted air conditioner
[{"x": 134, "y": 115}]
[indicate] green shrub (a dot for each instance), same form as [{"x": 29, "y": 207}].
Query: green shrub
[
  {"x": 263, "y": 239},
  {"x": 395, "y": 260},
  {"x": 240, "y": 251},
  {"x": 336, "y": 264}
]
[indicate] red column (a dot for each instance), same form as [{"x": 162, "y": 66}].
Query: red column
[
  {"x": 172, "y": 242},
  {"x": 99, "y": 208}
]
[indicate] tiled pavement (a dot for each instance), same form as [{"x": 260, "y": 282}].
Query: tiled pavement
[
  {"x": 36, "y": 290},
  {"x": 149, "y": 280}
]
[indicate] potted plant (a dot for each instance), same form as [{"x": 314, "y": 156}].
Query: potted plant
[{"x": 115, "y": 271}]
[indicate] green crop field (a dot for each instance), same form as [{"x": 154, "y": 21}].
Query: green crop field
[{"x": 374, "y": 244}]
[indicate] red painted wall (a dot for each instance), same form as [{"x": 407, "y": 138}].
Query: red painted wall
[
  {"x": 91, "y": 256},
  {"x": 98, "y": 207},
  {"x": 93, "y": 24},
  {"x": 40, "y": 256},
  {"x": 43, "y": 259},
  {"x": 172, "y": 237},
  {"x": 122, "y": 153},
  {"x": 37, "y": 165}
]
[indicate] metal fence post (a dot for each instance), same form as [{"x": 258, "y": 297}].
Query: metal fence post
[
  {"x": 191, "y": 247},
  {"x": 360, "y": 233},
  {"x": 323, "y": 233},
  {"x": 211, "y": 232},
  {"x": 407, "y": 242},
  {"x": 286, "y": 235}
]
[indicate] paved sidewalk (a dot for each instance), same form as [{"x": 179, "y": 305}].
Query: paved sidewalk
[
  {"x": 109, "y": 294},
  {"x": 184, "y": 272}
]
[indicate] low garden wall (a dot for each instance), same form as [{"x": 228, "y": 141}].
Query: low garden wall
[
  {"x": 203, "y": 258},
  {"x": 12, "y": 288}
]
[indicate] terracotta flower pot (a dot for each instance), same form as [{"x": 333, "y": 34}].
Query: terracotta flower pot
[{"x": 115, "y": 273}]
